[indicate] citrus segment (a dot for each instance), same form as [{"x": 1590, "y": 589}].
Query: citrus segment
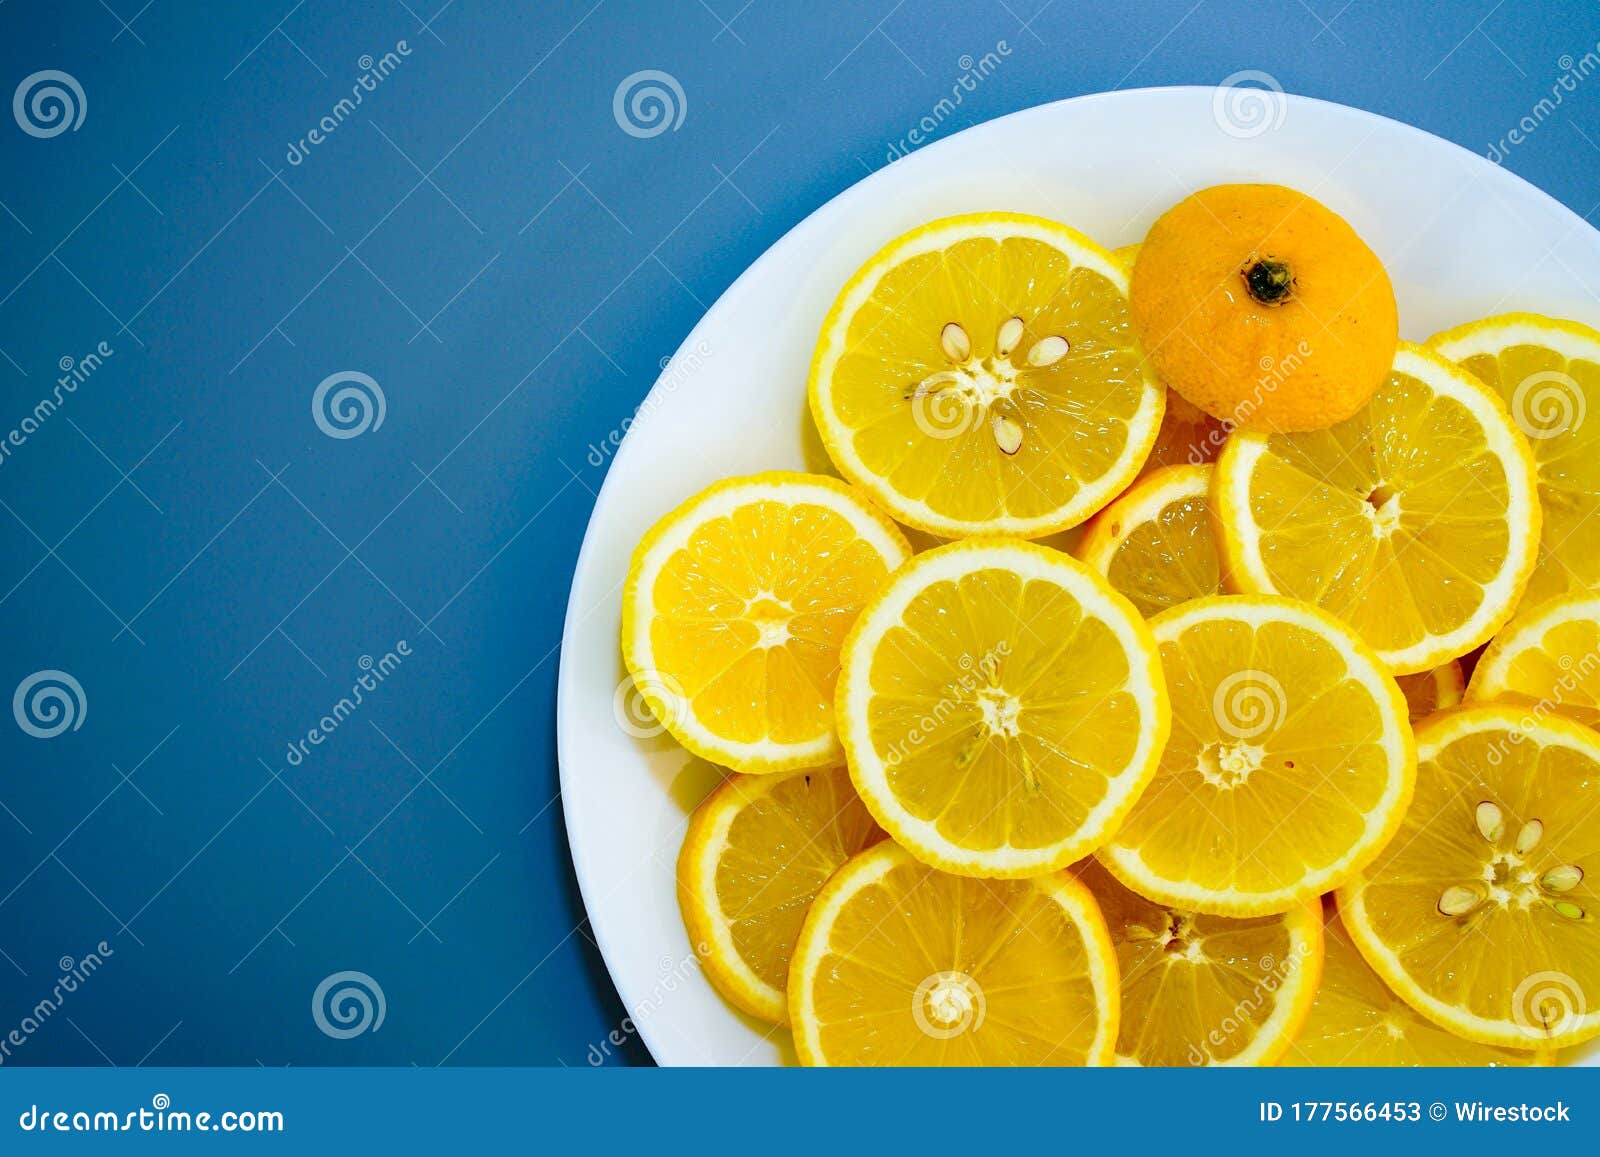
[
  {"x": 734, "y": 609},
  {"x": 1155, "y": 543},
  {"x": 1289, "y": 766},
  {"x": 979, "y": 374},
  {"x": 756, "y": 853},
  {"x": 1435, "y": 690},
  {"x": 1481, "y": 914},
  {"x": 1415, "y": 521},
  {"x": 1001, "y": 707},
  {"x": 899, "y": 963},
  {"x": 1548, "y": 372},
  {"x": 1207, "y": 990},
  {"x": 1547, "y": 659}
]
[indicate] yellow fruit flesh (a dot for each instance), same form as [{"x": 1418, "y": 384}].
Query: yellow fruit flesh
[
  {"x": 1553, "y": 665},
  {"x": 924, "y": 968},
  {"x": 1566, "y": 449},
  {"x": 920, "y": 420},
  {"x": 1357, "y": 1020},
  {"x": 1206, "y": 990},
  {"x": 1168, "y": 558},
  {"x": 1430, "y": 691},
  {"x": 750, "y": 614}
]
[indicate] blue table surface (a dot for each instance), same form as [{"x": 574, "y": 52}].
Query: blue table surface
[{"x": 484, "y": 239}]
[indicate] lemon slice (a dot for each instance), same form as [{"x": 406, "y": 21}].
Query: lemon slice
[
  {"x": 902, "y": 964},
  {"x": 1547, "y": 659},
  {"x": 979, "y": 374},
  {"x": 1548, "y": 373},
  {"x": 1357, "y": 1020},
  {"x": 734, "y": 608},
  {"x": 1435, "y": 690},
  {"x": 1155, "y": 543},
  {"x": 1415, "y": 521},
  {"x": 1482, "y": 914},
  {"x": 1290, "y": 764},
  {"x": 1188, "y": 436},
  {"x": 755, "y": 855},
  {"x": 1001, "y": 707},
  {"x": 1207, "y": 990}
]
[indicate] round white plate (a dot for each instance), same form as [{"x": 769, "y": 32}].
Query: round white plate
[{"x": 1461, "y": 237}]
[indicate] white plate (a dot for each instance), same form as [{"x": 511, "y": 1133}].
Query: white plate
[{"x": 1461, "y": 237}]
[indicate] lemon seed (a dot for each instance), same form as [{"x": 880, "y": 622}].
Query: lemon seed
[
  {"x": 1562, "y": 879},
  {"x": 1491, "y": 821},
  {"x": 1007, "y": 434},
  {"x": 1010, "y": 335},
  {"x": 1530, "y": 835},
  {"x": 1458, "y": 900},
  {"x": 1567, "y": 909},
  {"x": 953, "y": 339},
  {"x": 1048, "y": 352}
]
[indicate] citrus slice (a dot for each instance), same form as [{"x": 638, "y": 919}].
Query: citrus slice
[
  {"x": 1547, "y": 659},
  {"x": 1548, "y": 372},
  {"x": 1290, "y": 764},
  {"x": 755, "y": 855},
  {"x": 1482, "y": 913},
  {"x": 1435, "y": 690},
  {"x": 979, "y": 374},
  {"x": 1155, "y": 543},
  {"x": 1357, "y": 1020},
  {"x": 1207, "y": 990},
  {"x": 1001, "y": 707},
  {"x": 1188, "y": 436},
  {"x": 1415, "y": 521},
  {"x": 734, "y": 608},
  {"x": 902, "y": 964}
]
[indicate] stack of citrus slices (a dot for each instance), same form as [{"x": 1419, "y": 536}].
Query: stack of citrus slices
[{"x": 1227, "y": 784}]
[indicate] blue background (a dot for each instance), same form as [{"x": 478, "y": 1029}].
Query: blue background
[{"x": 483, "y": 239}]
